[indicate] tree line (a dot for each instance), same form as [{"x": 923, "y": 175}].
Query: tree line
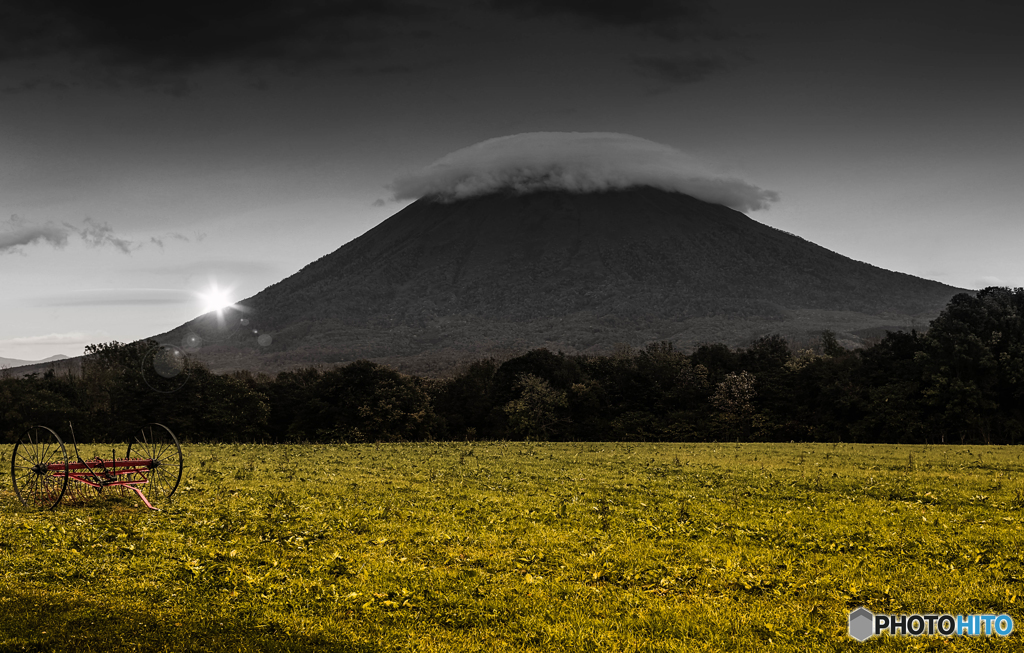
[{"x": 961, "y": 381}]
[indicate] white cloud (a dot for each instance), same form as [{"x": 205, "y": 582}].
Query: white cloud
[
  {"x": 19, "y": 232},
  {"x": 159, "y": 240},
  {"x": 579, "y": 162},
  {"x": 96, "y": 234},
  {"x": 70, "y": 338},
  {"x": 117, "y": 297}
]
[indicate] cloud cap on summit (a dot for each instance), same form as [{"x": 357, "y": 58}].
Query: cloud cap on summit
[{"x": 579, "y": 162}]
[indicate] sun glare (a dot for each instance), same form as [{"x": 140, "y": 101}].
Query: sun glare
[{"x": 215, "y": 299}]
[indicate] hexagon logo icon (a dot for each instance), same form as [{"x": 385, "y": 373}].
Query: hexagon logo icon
[{"x": 862, "y": 623}]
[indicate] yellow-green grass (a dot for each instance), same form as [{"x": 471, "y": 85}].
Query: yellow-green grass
[{"x": 524, "y": 547}]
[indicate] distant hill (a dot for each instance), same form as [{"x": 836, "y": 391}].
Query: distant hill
[
  {"x": 14, "y": 362},
  {"x": 438, "y": 283}
]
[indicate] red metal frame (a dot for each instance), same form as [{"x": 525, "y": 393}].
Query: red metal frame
[{"x": 100, "y": 473}]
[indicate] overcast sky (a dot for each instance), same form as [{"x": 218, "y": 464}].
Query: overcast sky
[{"x": 146, "y": 156}]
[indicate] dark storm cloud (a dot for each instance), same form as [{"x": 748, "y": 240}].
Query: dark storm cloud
[
  {"x": 34, "y": 84},
  {"x": 675, "y": 20},
  {"x": 679, "y": 70},
  {"x": 655, "y": 14},
  {"x": 166, "y": 40},
  {"x": 117, "y": 43}
]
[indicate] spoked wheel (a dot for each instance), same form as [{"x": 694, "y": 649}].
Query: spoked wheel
[
  {"x": 38, "y": 486},
  {"x": 156, "y": 442}
]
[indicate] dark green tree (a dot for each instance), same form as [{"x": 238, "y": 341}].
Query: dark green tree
[
  {"x": 465, "y": 401},
  {"x": 366, "y": 402},
  {"x": 540, "y": 412},
  {"x": 971, "y": 367}
]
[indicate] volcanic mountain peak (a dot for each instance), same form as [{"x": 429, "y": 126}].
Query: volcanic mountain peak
[
  {"x": 578, "y": 162},
  {"x": 445, "y": 281}
]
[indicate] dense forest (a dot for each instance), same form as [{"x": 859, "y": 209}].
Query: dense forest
[{"x": 961, "y": 381}]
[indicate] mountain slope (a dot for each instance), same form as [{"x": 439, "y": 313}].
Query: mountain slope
[
  {"x": 15, "y": 362},
  {"x": 581, "y": 272}
]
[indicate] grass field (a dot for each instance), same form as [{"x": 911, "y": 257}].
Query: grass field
[{"x": 524, "y": 547}]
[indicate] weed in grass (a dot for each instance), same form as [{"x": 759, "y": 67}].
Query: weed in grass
[{"x": 545, "y": 547}]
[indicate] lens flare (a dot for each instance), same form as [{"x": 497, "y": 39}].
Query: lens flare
[
  {"x": 168, "y": 361},
  {"x": 192, "y": 342},
  {"x": 165, "y": 368},
  {"x": 215, "y": 299}
]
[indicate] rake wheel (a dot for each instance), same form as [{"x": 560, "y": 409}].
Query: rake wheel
[
  {"x": 36, "y": 485},
  {"x": 156, "y": 442}
]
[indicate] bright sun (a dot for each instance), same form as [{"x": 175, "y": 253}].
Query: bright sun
[{"x": 215, "y": 299}]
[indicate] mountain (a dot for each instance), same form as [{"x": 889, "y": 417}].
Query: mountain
[
  {"x": 438, "y": 283},
  {"x": 14, "y": 362}
]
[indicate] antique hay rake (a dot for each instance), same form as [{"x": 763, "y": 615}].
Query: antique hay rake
[{"x": 42, "y": 474}]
